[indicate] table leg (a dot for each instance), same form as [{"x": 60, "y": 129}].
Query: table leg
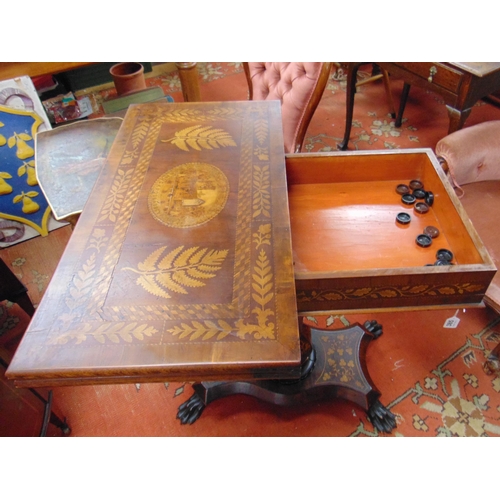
[
  {"x": 457, "y": 118},
  {"x": 352, "y": 74},
  {"x": 188, "y": 74},
  {"x": 402, "y": 104},
  {"x": 325, "y": 374}
]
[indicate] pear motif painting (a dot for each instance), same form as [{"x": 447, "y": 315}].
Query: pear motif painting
[
  {"x": 3, "y": 140},
  {"x": 23, "y": 149},
  {"x": 28, "y": 169},
  {"x": 21, "y": 199},
  {"x": 5, "y": 187},
  {"x": 29, "y": 206}
]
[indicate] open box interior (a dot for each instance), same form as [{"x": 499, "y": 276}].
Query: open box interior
[{"x": 343, "y": 214}]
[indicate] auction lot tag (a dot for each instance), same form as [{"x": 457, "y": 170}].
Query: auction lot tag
[{"x": 452, "y": 322}]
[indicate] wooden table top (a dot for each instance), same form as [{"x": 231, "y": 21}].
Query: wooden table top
[
  {"x": 180, "y": 267},
  {"x": 478, "y": 68}
]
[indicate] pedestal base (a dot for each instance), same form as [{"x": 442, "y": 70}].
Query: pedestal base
[{"x": 335, "y": 368}]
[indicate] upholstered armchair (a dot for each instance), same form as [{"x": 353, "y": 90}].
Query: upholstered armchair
[
  {"x": 298, "y": 85},
  {"x": 471, "y": 156}
]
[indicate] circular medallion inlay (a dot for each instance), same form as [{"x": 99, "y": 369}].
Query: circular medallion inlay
[{"x": 188, "y": 195}]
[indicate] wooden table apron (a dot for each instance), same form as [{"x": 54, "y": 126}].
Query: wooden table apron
[{"x": 180, "y": 267}]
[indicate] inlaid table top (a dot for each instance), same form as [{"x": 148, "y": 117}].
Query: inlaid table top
[{"x": 180, "y": 267}]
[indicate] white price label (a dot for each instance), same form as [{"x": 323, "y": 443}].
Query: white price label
[
  {"x": 452, "y": 322},
  {"x": 85, "y": 107}
]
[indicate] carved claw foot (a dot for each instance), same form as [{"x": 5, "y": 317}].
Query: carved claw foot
[
  {"x": 191, "y": 410},
  {"x": 382, "y": 419},
  {"x": 374, "y": 328},
  {"x": 491, "y": 365}
]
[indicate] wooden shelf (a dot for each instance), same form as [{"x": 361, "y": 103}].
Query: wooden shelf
[{"x": 9, "y": 70}]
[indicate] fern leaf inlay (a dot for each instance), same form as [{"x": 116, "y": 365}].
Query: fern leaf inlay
[
  {"x": 200, "y": 137},
  {"x": 178, "y": 270}
]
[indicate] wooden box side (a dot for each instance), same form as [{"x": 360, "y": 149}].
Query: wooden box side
[
  {"x": 354, "y": 166},
  {"x": 406, "y": 290}
]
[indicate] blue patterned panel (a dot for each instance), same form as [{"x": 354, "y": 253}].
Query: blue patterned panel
[{"x": 21, "y": 198}]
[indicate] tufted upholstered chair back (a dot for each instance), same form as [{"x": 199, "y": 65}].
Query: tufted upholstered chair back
[
  {"x": 298, "y": 85},
  {"x": 471, "y": 156},
  {"x": 472, "y": 153}
]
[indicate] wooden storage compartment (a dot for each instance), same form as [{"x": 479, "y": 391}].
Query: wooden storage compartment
[{"x": 350, "y": 252}]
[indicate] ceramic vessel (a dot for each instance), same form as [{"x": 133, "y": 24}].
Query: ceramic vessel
[{"x": 128, "y": 77}]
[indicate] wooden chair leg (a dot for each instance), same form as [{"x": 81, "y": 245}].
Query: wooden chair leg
[{"x": 390, "y": 100}]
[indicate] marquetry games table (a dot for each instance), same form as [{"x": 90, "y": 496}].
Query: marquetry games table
[{"x": 202, "y": 247}]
